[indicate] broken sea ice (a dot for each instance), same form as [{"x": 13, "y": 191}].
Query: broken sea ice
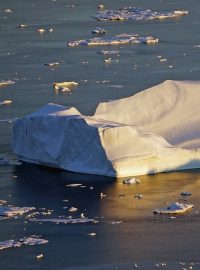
[
  {"x": 136, "y": 13},
  {"x": 122, "y": 39},
  {"x": 174, "y": 208}
]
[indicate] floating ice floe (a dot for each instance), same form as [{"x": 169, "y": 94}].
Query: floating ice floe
[
  {"x": 64, "y": 86},
  {"x": 136, "y": 13},
  {"x": 22, "y": 25},
  {"x": 132, "y": 180},
  {"x": 5, "y": 102},
  {"x": 30, "y": 241},
  {"x": 122, "y": 39},
  {"x": 104, "y": 52},
  {"x": 99, "y": 31},
  {"x": 74, "y": 185},
  {"x": 155, "y": 130},
  {"x": 5, "y": 161},
  {"x": 174, "y": 208},
  {"x": 6, "y": 83},
  {"x": 185, "y": 193},
  {"x": 12, "y": 211},
  {"x": 53, "y": 64},
  {"x": 65, "y": 220}
]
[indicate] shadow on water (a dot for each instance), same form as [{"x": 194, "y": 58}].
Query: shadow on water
[{"x": 45, "y": 187}]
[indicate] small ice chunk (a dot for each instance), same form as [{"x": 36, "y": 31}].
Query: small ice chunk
[
  {"x": 138, "y": 196},
  {"x": 92, "y": 234},
  {"x": 66, "y": 86},
  {"x": 41, "y": 30},
  {"x": 6, "y": 82},
  {"x": 33, "y": 240},
  {"x": 39, "y": 256},
  {"x": 9, "y": 244},
  {"x": 185, "y": 193},
  {"x": 132, "y": 180},
  {"x": 11, "y": 211},
  {"x": 101, "y": 6},
  {"x": 99, "y": 31},
  {"x": 73, "y": 209},
  {"x": 116, "y": 222},
  {"x": 102, "y": 195},
  {"x": 8, "y": 10},
  {"x": 174, "y": 208},
  {"x": 52, "y": 64},
  {"x": 74, "y": 185},
  {"x": 105, "y": 52},
  {"x": 5, "y": 102},
  {"x": 22, "y": 25}
]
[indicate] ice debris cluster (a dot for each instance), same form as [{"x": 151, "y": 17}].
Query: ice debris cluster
[
  {"x": 121, "y": 39},
  {"x": 30, "y": 241},
  {"x": 136, "y": 13}
]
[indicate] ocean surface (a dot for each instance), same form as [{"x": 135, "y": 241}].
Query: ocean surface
[{"x": 126, "y": 234}]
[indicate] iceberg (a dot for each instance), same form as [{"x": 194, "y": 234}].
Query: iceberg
[{"x": 155, "y": 130}]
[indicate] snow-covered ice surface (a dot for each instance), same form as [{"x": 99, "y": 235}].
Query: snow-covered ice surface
[
  {"x": 30, "y": 241},
  {"x": 136, "y": 13},
  {"x": 156, "y": 130},
  {"x": 12, "y": 211},
  {"x": 174, "y": 208},
  {"x": 121, "y": 39}
]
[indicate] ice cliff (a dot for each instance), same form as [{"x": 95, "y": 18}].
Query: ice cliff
[{"x": 156, "y": 130}]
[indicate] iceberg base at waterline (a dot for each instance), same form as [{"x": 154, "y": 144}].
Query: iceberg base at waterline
[{"x": 155, "y": 130}]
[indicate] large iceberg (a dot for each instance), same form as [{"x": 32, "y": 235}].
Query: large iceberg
[{"x": 156, "y": 130}]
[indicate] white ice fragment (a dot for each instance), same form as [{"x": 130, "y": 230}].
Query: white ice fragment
[
  {"x": 138, "y": 196},
  {"x": 163, "y": 59},
  {"x": 132, "y": 180},
  {"x": 41, "y": 30},
  {"x": 74, "y": 185},
  {"x": 9, "y": 244},
  {"x": 116, "y": 86},
  {"x": 52, "y": 64},
  {"x": 68, "y": 220},
  {"x": 99, "y": 31},
  {"x": 22, "y": 25},
  {"x": 64, "y": 86},
  {"x": 39, "y": 256},
  {"x": 101, "y": 6},
  {"x": 92, "y": 234},
  {"x": 185, "y": 193},
  {"x": 11, "y": 211},
  {"x": 5, "y": 102},
  {"x": 122, "y": 39},
  {"x": 136, "y": 13},
  {"x": 108, "y": 61},
  {"x": 116, "y": 222},
  {"x": 8, "y": 10},
  {"x": 174, "y": 208},
  {"x": 110, "y": 52},
  {"x": 6, "y": 83},
  {"x": 33, "y": 240},
  {"x": 73, "y": 209},
  {"x": 102, "y": 195}
]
